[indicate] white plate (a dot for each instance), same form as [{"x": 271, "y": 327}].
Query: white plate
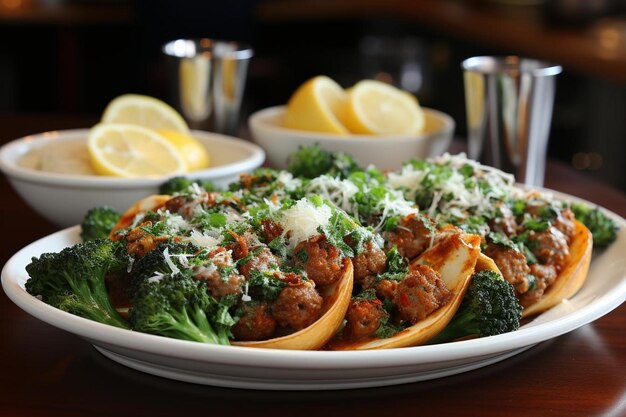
[{"x": 230, "y": 366}]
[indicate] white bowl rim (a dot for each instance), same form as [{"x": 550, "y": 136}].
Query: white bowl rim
[
  {"x": 258, "y": 119},
  {"x": 12, "y": 169}
]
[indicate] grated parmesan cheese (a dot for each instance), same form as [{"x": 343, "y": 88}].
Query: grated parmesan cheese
[
  {"x": 156, "y": 277},
  {"x": 289, "y": 182},
  {"x": 245, "y": 297},
  {"x": 203, "y": 240},
  {"x": 175, "y": 222},
  {"x": 459, "y": 198},
  {"x": 337, "y": 191},
  {"x": 197, "y": 192},
  {"x": 170, "y": 262},
  {"x": 394, "y": 205},
  {"x": 303, "y": 221},
  {"x": 223, "y": 258}
]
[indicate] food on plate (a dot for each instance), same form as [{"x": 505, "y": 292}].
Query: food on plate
[
  {"x": 214, "y": 267},
  {"x": 533, "y": 238},
  {"x": 409, "y": 309},
  {"x": 603, "y": 229},
  {"x": 335, "y": 256},
  {"x": 311, "y": 161},
  {"x": 488, "y": 308},
  {"x": 369, "y": 107},
  {"x": 74, "y": 280},
  {"x": 271, "y": 303},
  {"x": 176, "y": 185},
  {"x": 98, "y": 223}
]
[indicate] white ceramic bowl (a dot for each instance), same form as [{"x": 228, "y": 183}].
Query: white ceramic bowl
[
  {"x": 385, "y": 152},
  {"x": 64, "y": 199}
]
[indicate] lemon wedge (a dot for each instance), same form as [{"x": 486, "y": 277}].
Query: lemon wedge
[
  {"x": 193, "y": 152},
  {"x": 125, "y": 150},
  {"x": 144, "y": 111},
  {"x": 378, "y": 108},
  {"x": 317, "y": 106}
]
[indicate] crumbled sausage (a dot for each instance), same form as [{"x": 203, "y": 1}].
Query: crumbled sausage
[
  {"x": 550, "y": 247},
  {"x": 412, "y": 236},
  {"x": 320, "y": 260},
  {"x": 363, "y": 318},
  {"x": 512, "y": 264},
  {"x": 239, "y": 247},
  {"x": 256, "y": 322},
  {"x": 504, "y": 222},
  {"x": 386, "y": 289},
  {"x": 220, "y": 286},
  {"x": 370, "y": 261},
  {"x": 544, "y": 277},
  {"x": 420, "y": 293},
  {"x": 140, "y": 242},
  {"x": 175, "y": 203},
  {"x": 221, "y": 257},
  {"x": 564, "y": 222},
  {"x": 183, "y": 205},
  {"x": 261, "y": 260},
  {"x": 297, "y": 307},
  {"x": 270, "y": 230}
]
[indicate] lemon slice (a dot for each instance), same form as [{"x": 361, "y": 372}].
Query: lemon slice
[
  {"x": 144, "y": 111},
  {"x": 317, "y": 106},
  {"x": 193, "y": 152},
  {"x": 377, "y": 108},
  {"x": 125, "y": 150}
]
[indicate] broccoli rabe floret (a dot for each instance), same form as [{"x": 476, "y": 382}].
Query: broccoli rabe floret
[
  {"x": 312, "y": 161},
  {"x": 155, "y": 262},
  {"x": 603, "y": 229},
  {"x": 180, "y": 185},
  {"x": 489, "y": 307},
  {"x": 181, "y": 307},
  {"x": 98, "y": 223},
  {"x": 73, "y": 280}
]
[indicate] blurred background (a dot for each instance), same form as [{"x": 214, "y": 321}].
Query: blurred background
[{"x": 61, "y": 58}]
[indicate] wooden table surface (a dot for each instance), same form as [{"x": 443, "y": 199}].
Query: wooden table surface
[{"x": 48, "y": 372}]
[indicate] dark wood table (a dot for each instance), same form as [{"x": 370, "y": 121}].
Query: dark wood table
[{"x": 48, "y": 372}]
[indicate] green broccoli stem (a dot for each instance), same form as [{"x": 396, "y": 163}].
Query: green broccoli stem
[
  {"x": 461, "y": 325},
  {"x": 223, "y": 322},
  {"x": 96, "y": 304},
  {"x": 185, "y": 325},
  {"x": 200, "y": 319},
  {"x": 92, "y": 312}
]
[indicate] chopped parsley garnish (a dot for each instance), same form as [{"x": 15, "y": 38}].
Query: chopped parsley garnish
[{"x": 265, "y": 282}]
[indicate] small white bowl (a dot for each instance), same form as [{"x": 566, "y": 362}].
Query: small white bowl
[
  {"x": 64, "y": 199},
  {"x": 385, "y": 152}
]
